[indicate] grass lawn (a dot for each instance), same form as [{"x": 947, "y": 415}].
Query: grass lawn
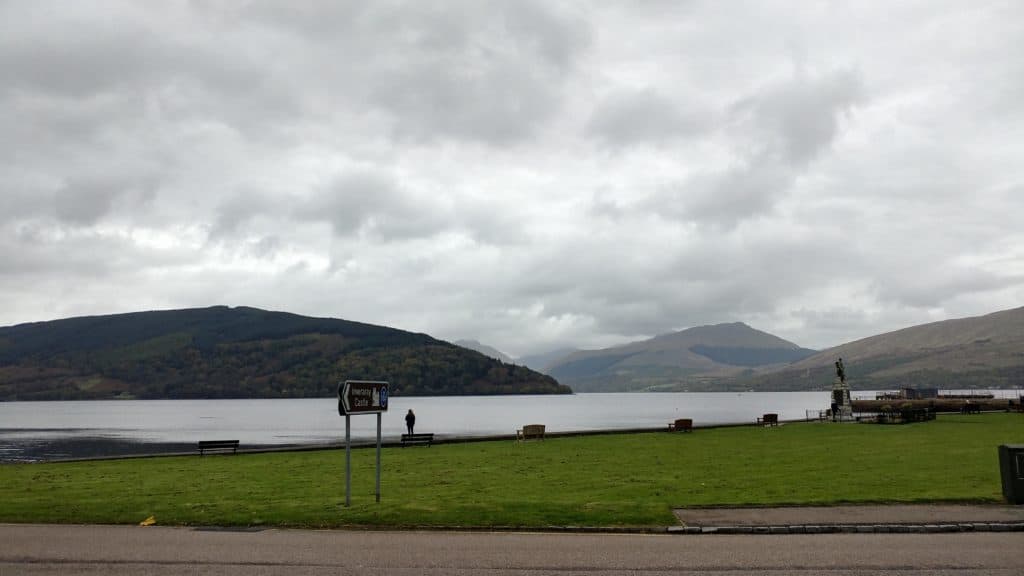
[{"x": 613, "y": 480}]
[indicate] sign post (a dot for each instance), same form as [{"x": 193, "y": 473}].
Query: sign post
[
  {"x": 348, "y": 460},
  {"x": 378, "y": 457},
  {"x": 361, "y": 397}
]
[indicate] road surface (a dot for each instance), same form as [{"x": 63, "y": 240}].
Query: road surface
[{"x": 114, "y": 550}]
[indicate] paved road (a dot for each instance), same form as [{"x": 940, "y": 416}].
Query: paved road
[{"x": 33, "y": 549}]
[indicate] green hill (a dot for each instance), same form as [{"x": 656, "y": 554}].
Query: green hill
[{"x": 222, "y": 352}]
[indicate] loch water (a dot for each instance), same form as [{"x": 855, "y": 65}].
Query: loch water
[{"x": 33, "y": 431}]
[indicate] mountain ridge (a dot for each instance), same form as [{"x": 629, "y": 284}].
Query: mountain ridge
[
  {"x": 985, "y": 351},
  {"x": 484, "y": 349},
  {"x": 696, "y": 354},
  {"x": 542, "y": 361},
  {"x": 247, "y": 352}
]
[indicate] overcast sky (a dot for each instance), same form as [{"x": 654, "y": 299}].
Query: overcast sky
[{"x": 528, "y": 174}]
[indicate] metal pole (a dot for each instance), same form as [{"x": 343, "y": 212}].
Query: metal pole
[
  {"x": 348, "y": 460},
  {"x": 378, "y": 456}
]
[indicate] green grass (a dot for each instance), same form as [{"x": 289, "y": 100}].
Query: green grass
[{"x": 614, "y": 480}]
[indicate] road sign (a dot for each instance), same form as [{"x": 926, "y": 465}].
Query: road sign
[{"x": 362, "y": 397}]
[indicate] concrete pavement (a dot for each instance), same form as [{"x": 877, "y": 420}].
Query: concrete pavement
[{"x": 890, "y": 518}]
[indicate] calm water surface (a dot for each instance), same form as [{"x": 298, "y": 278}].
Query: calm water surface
[{"x": 45, "y": 430}]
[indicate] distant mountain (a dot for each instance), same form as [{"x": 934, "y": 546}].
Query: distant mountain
[
  {"x": 978, "y": 352},
  {"x": 543, "y": 361},
  {"x": 696, "y": 359},
  {"x": 223, "y": 352},
  {"x": 485, "y": 350}
]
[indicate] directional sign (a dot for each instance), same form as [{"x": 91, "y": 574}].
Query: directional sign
[{"x": 362, "y": 397}]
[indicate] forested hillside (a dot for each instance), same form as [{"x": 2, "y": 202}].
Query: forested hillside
[{"x": 223, "y": 352}]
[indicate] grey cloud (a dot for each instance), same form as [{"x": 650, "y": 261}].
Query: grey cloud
[
  {"x": 823, "y": 328},
  {"x": 495, "y": 77},
  {"x": 90, "y": 61},
  {"x": 650, "y": 286},
  {"x": 241, "y": 208},
  {"x": 928, "y": 286},
  {"x": 34, "y": 122},
  {"x": 33, "y": 250},
  {"x": 370, "y": 203},
  {"x": 744, "y": 192},
  {"x": 74, "y": 69},
  {"x": 642, "y": 117},
  {"x": 265, "y": 247},
  {"x": 799, "y": 119},
  {"x": 834, "y": 324},
  {"x": 466, "y": 104},
  {"x": 85, "y": 200},
  {"x": 617, "y": 288},
  {"x": 350, "y": 201},
  {"x": 81, "y": 75},
  {"x": 22, "y": 202},
  {"x": 84, "y": 204},
  {"x": 604, "y": 203},
  {"x": 491, "y": 223},
  {"x": 80, "y": 200},
  {"x": 356, "y": 159},
  {"x": 373, "y": 203},
  {"x": 777, "y": 132},
  {"x": 321, "y": 20},
  {"x": 488, "y": 72}
]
